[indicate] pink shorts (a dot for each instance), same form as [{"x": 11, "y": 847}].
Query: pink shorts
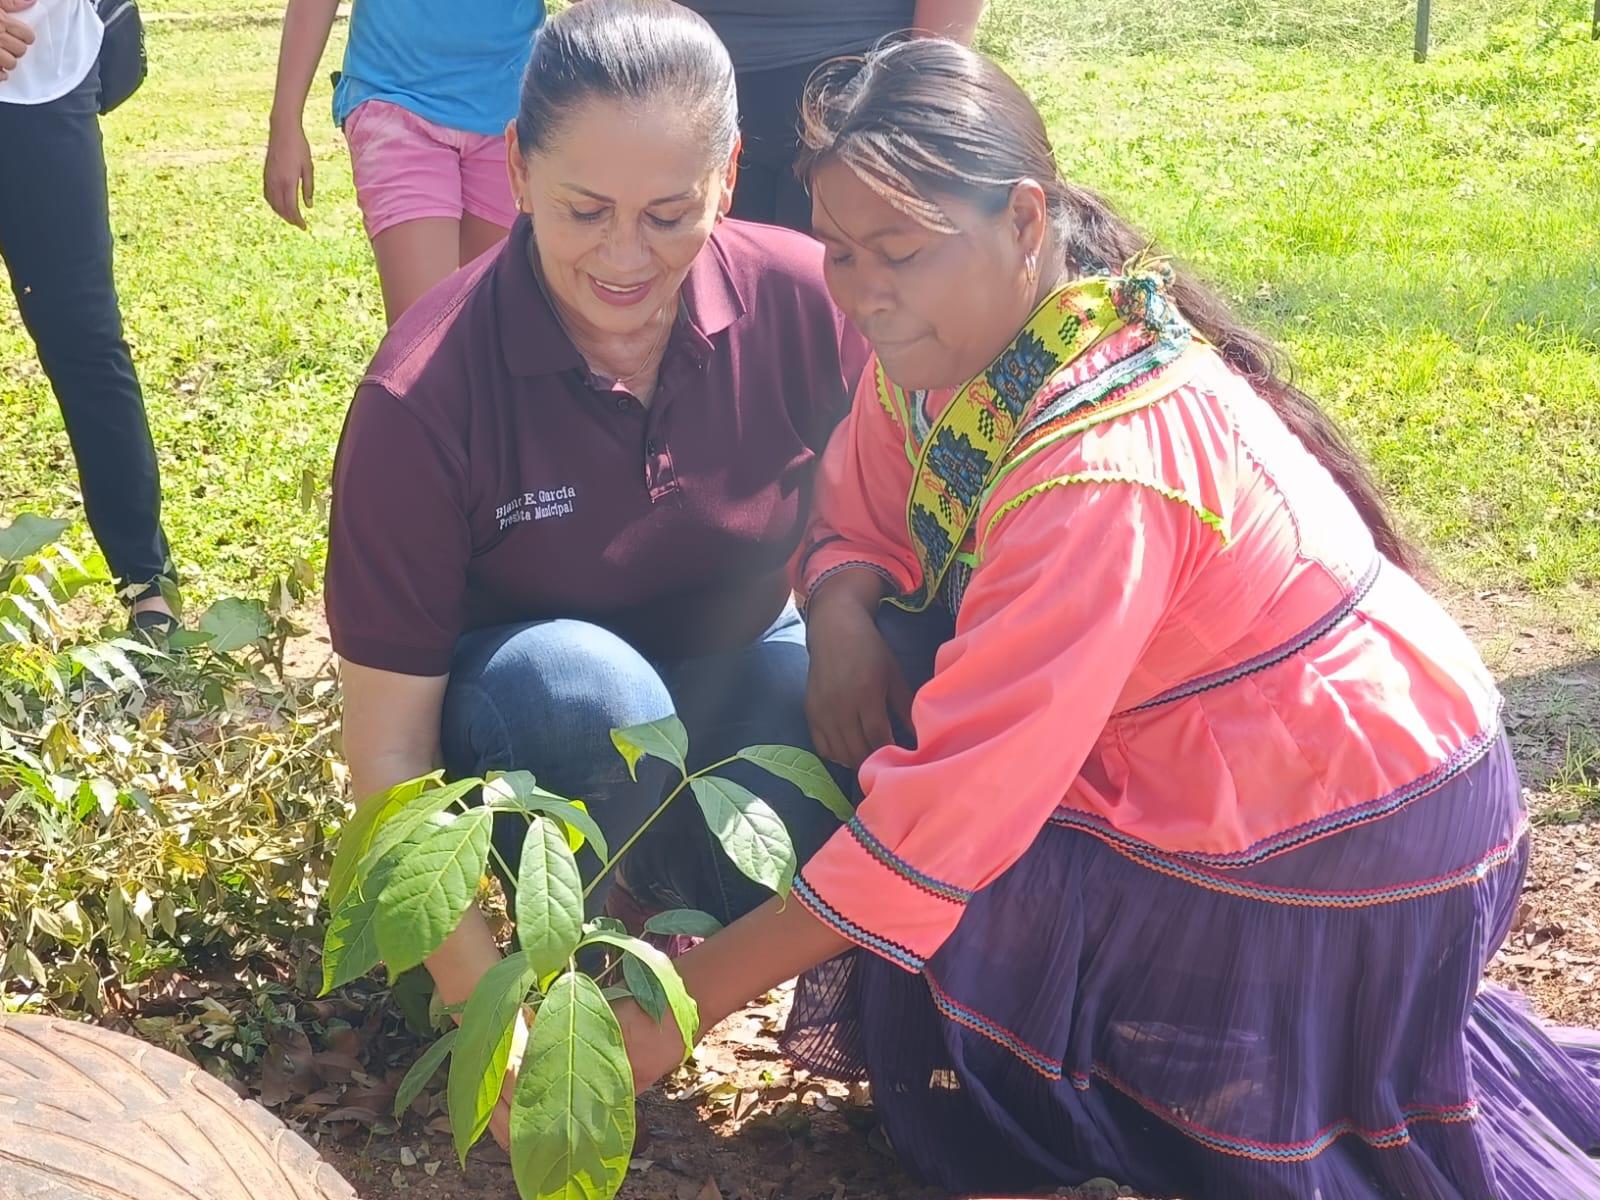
[{"x": 406, "y": 168}]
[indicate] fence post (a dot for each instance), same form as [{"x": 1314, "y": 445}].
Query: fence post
[{"x": 1423, "y": 7}]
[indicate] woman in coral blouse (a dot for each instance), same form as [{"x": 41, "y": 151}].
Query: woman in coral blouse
[{"x": 1202, "y": 825}]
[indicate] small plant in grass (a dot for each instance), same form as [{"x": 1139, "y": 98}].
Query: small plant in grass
[
  {"x": 411, "y": 862},
  {"x": 165, "y": 811}
]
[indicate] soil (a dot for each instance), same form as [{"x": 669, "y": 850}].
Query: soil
[{"x": 737, "y": 1123}]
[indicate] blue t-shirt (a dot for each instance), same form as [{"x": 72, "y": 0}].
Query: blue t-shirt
[{"x": 457, "y": 63}]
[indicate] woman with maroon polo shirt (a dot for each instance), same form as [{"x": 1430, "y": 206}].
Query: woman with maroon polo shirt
[{"x": 571, "y": 480}]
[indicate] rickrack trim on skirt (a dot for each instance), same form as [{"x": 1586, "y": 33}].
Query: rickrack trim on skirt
[{"x": 1392, "y": 1137}]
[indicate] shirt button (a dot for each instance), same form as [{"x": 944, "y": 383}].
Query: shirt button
[{"x": 622, "y": 404}]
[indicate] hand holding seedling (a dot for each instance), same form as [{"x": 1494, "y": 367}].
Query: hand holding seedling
[{"x": 560, "y": 1094}]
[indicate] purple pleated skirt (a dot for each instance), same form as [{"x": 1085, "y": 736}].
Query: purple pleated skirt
[{"x": 1307, "y": 1025}]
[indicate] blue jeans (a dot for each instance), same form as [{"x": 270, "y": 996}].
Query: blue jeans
[{"x": 544, "y": 697}]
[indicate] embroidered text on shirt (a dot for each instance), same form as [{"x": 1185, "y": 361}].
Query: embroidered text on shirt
[{"x": 537, "y": 506}]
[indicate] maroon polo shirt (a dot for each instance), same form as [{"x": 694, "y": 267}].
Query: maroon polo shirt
[{"x": 485, "y": 477}]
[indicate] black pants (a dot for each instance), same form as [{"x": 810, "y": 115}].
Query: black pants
[
  {"x": 55, "y": 238},
  {"x": 769, "y": 116}
]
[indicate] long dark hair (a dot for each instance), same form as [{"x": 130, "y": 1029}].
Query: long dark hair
[
  {"x": 636, "y": 51},
  {"x": 928, "y": 118}
]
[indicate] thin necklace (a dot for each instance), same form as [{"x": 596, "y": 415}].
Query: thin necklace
[{"x": 649, "y": 354}]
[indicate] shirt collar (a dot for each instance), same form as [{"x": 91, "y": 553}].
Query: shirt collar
[
  {"x": 531, "y": 338},
  {"x": 712, "y": 297}
]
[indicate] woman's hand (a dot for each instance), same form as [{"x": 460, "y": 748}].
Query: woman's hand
[
  {"x": 288, "y": 173},
  {"x": 855, "y": 684},
  {"x": 654, "y": 1051},
  {"x": 16, "y": 35},
  {"x": 500, "y": 1122},
  {"x": 777, "y": 941}
]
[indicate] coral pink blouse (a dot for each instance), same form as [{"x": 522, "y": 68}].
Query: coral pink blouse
[{"x": 1177, "y": 635}]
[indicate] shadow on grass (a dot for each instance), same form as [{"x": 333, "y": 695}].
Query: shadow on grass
[{"x": 1553, "y": 718}]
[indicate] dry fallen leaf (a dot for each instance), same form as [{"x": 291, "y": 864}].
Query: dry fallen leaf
[
  {"x": 743, "y": 1104},
  {"x": 287, "y": 1070},
  {"x": 707, "y": 1191}
]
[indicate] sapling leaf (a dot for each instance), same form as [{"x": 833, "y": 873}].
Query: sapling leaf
[
  {"x": 572, "y": 1116},
  {"x": 642, "y": 986},
  {"x": 113, "y": 653},
  {"x": 29, "y": 610},
  {"x": 806, "y": 771},
  {"x": 684, "y": 1010},
  {"x": 430, "y": 890},
  {"x": 688, "y": 922},
  {"x": 421, "y": 1071},
  {"x": 574, "y": 814},
  {"x": 41, "y": 589},
  {"x": 549, "y": 897},
  {"x": 88, "y": 657},
  {"x": 665, "y": 739},
  {"x": 233, "y": 623},
  {"x": 350, "y": 944},
  {"x": 478, "y": 1062},
  {"x": 516, "y": 789},
  {"x": 753, "y": 835},
  {"x": 28, "y": 534},
  {"x": 355, "y": 839},
  {"x": 405, "y": 822}
]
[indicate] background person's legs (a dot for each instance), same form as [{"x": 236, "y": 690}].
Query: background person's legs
[
  {"x": 487, "y": 205},
  {"x": 479, "y": 236},
  {"x": 412, "y": 184},
  {"x": 413, "y": 256},
  {"x": 55, "y": 236}
]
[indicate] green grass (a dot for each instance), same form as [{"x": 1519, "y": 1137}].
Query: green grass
[
  {"x": 1572, "y": 793},
  {"x": 249, "y": 334},
  {"x": 1423, "y": 239}
]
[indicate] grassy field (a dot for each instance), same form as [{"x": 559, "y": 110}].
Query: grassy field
[{"x": 1423, "y": 239}]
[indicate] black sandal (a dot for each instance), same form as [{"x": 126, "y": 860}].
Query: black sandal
[{"x": 153, "y": 624}]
